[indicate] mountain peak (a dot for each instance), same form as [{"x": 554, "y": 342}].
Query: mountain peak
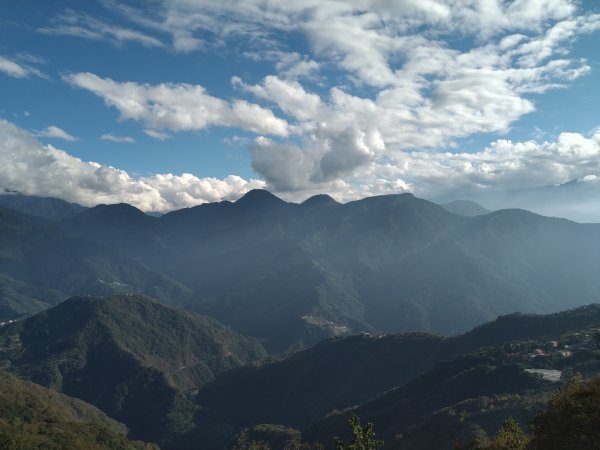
[
  {"x": 465, "y": 208},
  {"x": 45, "y": 207},
  {"x": 119, "y": 208},
  {"x": 320, "y": 200},
  {"x": 110, "y": 214},
  {"x": 258, "y": 198}
]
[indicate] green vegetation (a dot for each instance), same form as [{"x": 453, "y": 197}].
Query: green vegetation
[
  {"x": 32, "y": 417},
  {"x": 571, "y": 420},
  {"x": 197, "y": 382},
  {"x": 510, "y": 437},
  {"x": 363, "y": 437},
  {"x": 135, "y": 359}
]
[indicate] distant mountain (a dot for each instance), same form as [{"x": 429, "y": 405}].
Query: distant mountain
[
  {"x": 41, "y": 265},
  {"x": 293, "y": 274},
  {"x": 465, "y": 208},
  {"x": 320, "y": 200},
  {"x": 46, "y": 207},
  {"x": 133, "y": 358},
  {"x": 342, "y": 372},
  {"x": 577, "y": 199},
  {"x": 34, "y": 417},
  {"x": 414, "y": 387}
]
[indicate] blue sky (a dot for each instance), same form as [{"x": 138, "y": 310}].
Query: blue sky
[{"x": 172, "y": 103}]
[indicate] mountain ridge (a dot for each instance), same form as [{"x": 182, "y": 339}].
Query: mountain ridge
[
  {"x": 291, "y": 274},
  {"x": 125, "y": 355}
]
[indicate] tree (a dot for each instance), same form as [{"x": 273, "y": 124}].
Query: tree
[
  {"x": 510, "y": 437},
  {"x": 245, "y": 443},
  {"x": 363, "y": 437},
  {"x": 572, "y": 419}
]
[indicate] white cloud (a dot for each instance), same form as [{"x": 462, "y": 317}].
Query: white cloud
[
  {"x": 380, "y": 93},
  {"x": 32, "y": 168},
  {"x": 18, "y": 69},
  {"x": 118, "y": 139},
  {"x": 289, "y": 96},
  {"x": 56, "y": 133},
  {"x": 287, "y": 167},
  {"x": 294, "y": 66},
  {"x": 72, "y": 23},
  {"x": 503, "y": 165},
  {"x": 157, "y": 135},
  {"x": 178, "y": 107}
]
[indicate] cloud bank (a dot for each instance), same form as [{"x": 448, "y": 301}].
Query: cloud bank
[
  {"x": 35, "y": 169},
  {"x": 383, "y": 86},
  {"x": 32, "y": 168}
]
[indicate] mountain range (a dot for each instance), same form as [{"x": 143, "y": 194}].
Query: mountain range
[
  {"x": 185, "y": 382},
  {"x": 42, "y": 264},
  {"x": 292, "y": 274}
]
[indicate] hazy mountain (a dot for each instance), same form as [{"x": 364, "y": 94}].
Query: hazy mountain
[
  {"x": 292, "y": 274},
  {"x": 465, "y": 208},
  {"x": 41, "y": 265},
  {"x": 132, "y": 357},
  {"x": 34, "y": 417},
  {"x": 46, "y": 207},
  {"x": 577, "y": 199}
]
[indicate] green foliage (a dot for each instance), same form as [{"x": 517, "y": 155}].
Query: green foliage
[
  {"x": 245, "y": 443},
  {"x": 35, "y": 418},
  {"x": 569, "y": 422},
  {"x": 510, "y": 437},
  {"x": 572, "y": 419},
  {"x": 363, "y": 437},
  {"x": 129, "y": 355}
]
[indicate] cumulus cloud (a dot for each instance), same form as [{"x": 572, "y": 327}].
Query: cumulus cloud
[
  {"x": 423, "y": 93},
  {"x": 17, "y": 69},
  {"x": 379, "y": 94},
  {"x": 504, "y": 165},
  {"x": 118, "y": 139},
  {"x": 178, "y": 107},
  {"x": 287, "y": 167},
  {"x": 56, "y": 133},
  {"x": 32, "y": 168}
]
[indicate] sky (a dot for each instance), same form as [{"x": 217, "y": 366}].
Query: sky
[{"x": 166, "y": 104}]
